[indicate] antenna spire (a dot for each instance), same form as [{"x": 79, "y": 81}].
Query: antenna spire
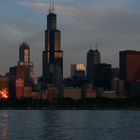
[
  {"x": 90, "y": 46},
  {"x": 96, "y": 47},
  {"x": 50, "y": 8},
  {"x": 53, "y": 6}
]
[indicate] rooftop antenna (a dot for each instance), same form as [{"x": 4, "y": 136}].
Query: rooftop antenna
[
  {"x": 90, "y": 46},
  {"x": 50, "y": 9},
  {"x": 96, "y": 47},
  {"x": 53, "y": 6}
]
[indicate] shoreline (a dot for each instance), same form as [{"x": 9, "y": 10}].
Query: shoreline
[{"x": 31, "y": 108}]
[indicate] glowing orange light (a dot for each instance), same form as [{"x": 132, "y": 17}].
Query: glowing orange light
[{"x": 4, "y": 94}]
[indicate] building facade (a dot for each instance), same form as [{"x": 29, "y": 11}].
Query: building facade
[
  {"x": 24, "y": 69},
  {"x": 93, "y": 58},
  {"x": 129, "y": 61},
  {"x": 24, "y": 54},
  {"x": 52, "y": 55},
  {"x": 21, "y": 76},
  {"x": 129, "y": 65},
  {"x": 4, "y": 87},
  {"x": 78, "y": 71},
  {"x": 102, "y": 76}
]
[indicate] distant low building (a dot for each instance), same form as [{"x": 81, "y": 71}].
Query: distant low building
[
  {"x": 51, "y": 92},
  {"x": 114, "y": 72},
  {"x": 88, "y": 91},
  {"x": 4, "y": 82},
  {"x": 134, "y": 90},
  {"x": 78, "y": 71},
  {"x": 109, "y": 94},
  {"x": 27, "y": 92},
  {"x": 4, "y": 87},
  {"x": 117, "y": 85},
  {"x": 19, "y": 88},
  {"x": 36, "y": 95},
  {"x": 74, "y": 93},
  {"x": 99, "y": 91}
]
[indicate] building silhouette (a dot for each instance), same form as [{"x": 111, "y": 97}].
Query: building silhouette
[
  {"x": 129, "y": 66},
  {"x": 25, "y": 67},
  {"x": 21, "y": 76},
  {"x": 78, "y": 71},
  {"x": 102, "y": 76},
  {"x": 4, "y": 87},
  {"x": 24, "y": 54},
  {"x": 93, "y": 58},
  {"x": 52, "y": 55}
]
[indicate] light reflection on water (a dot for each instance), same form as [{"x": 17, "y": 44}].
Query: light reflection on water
[
  {"x": 4, "y": 125},
  {"x": 69, "y": 124}
]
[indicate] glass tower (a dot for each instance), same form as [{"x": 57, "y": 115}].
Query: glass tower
[
  {"x": 52, "y": 55},
  {"x": 93, "y": 58}
]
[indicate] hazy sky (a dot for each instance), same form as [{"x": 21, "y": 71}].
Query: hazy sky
[{"x": 113, "y": 24}]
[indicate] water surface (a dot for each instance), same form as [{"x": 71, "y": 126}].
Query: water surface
[{"x": 69, "y": 125}]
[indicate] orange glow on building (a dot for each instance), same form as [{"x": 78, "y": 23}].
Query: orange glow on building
[
  {"x": 130, "y": 65},
  {"x": 4, "y": 94}
]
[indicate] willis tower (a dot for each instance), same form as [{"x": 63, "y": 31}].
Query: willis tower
[{"x": 52, "y": 55}]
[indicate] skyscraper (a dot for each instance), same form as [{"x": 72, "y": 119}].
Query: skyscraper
[
  {"x": 52, "y": 55},
  {"x": 102, "y": 76},
  {"x": 24, "y": 54},
  {"x": 129, "y": 65},
  {"x": 21, "y": 76},
  {"x": 25, "y": 67},
  {"x": 93, "y": 57}
]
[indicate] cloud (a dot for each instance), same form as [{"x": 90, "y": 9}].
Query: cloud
[
  {"x": 114, "y": 24},
  {"x": 98, "y": 19},
  {"x": 10, "y": 33},
  {"x": 39, "y": 5},
  {"x": 97, "y": 15}
]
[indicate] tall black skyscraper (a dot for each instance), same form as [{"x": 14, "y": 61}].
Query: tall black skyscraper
[
  {"x": 93, "y": 57},
  {"x": 52, "y": 55},
  {"x": 102, "y": 77}
]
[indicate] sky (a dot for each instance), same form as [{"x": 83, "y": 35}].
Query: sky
[{"x": 113, "y": 24}]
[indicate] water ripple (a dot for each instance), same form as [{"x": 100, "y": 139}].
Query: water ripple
[{"x": 69, "y": 125}]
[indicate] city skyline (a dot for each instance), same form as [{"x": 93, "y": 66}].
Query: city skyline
[{"x": 114, "y": 25}]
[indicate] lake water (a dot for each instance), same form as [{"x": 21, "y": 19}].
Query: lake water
[{"x": 69, "y": 125}]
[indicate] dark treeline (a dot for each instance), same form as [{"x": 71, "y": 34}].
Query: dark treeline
[{"x": 68, "y": 103}]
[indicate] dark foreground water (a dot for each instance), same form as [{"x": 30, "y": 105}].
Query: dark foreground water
[{"x": 69, "y": 125}]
